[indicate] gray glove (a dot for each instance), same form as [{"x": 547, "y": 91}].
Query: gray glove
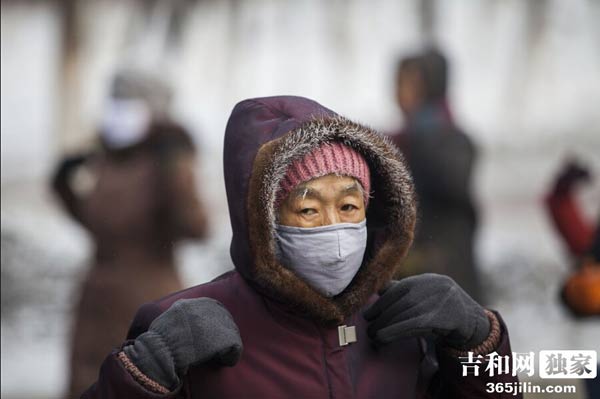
[
  {"x": 191, "y": 331},
  {"x": 424, "y": 305}
]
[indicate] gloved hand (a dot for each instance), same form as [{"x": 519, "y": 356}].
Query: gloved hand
[
  {"x": 191, "y": 331},
  {"x": 428, "y": 304}
]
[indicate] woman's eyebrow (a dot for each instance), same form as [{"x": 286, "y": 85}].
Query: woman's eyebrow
[
  {"x": 306, "y": 192},
  {"x": 352, "y": 188}
]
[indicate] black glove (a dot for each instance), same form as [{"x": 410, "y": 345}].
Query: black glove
[
  {"x": 191, "y": 331},
  {"x": 424, "y": 305}
]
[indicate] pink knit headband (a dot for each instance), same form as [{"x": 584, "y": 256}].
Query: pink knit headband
[{"x": 332, "y": 157}]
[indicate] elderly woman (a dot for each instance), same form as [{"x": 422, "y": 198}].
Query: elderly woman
[{"x": 322, "y": 211}]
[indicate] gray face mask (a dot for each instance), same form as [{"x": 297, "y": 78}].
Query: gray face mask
[{"x": 327, "y": 258}]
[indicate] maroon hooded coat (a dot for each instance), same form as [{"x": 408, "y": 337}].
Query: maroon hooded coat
[{"x": 289, "y": 331}]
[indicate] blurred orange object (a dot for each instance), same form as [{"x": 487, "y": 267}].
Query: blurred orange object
[{"x": 581, "y": 292}]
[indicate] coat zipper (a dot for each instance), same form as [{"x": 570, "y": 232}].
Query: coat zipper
[{"x": 324, "y": 351}]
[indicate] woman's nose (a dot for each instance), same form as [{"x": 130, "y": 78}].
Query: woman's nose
[{"x": 330, "y": 216}]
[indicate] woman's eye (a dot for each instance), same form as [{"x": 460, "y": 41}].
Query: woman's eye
[
  {"x": 308, "y": 211},
  {"x": 348, "y": 207}
]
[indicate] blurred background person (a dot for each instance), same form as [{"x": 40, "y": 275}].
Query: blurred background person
[
  {"x": 580, "y": 292},
  {"x": 136, "y": 196},
  {"x": 441, "y": 158},
  {"x": 576, "y": 231}
]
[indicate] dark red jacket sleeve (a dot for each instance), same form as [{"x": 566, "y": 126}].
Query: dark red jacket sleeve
[
  {"x": 452, "y": 384},
  {"x": 114, "y": 381}
]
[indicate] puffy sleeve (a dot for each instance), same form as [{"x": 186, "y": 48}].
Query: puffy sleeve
[
  {"x": 119, "y": 378},
  {"x": 452, "y": 384}
]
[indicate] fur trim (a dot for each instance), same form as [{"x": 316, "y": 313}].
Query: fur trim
[{"x": 393, "y": 202}]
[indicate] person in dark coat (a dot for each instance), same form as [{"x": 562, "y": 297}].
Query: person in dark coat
[
  {"x": 322, "y": 212},
  {"x": 441, "y": 158},
  {"x": 136, "y": 197}
]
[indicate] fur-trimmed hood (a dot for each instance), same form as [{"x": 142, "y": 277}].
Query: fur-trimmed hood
[{"x": 262, "y": 138}]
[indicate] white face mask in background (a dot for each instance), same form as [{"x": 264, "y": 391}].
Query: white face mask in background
[
  {"x": 125, "y": 122},
  {"x": 327, "y": 258}
]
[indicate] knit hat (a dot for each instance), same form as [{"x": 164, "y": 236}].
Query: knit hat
[{"x": 332, "y": 157}]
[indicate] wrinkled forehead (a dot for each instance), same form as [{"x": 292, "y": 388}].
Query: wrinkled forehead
[{"x": 331, "y": 186}]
